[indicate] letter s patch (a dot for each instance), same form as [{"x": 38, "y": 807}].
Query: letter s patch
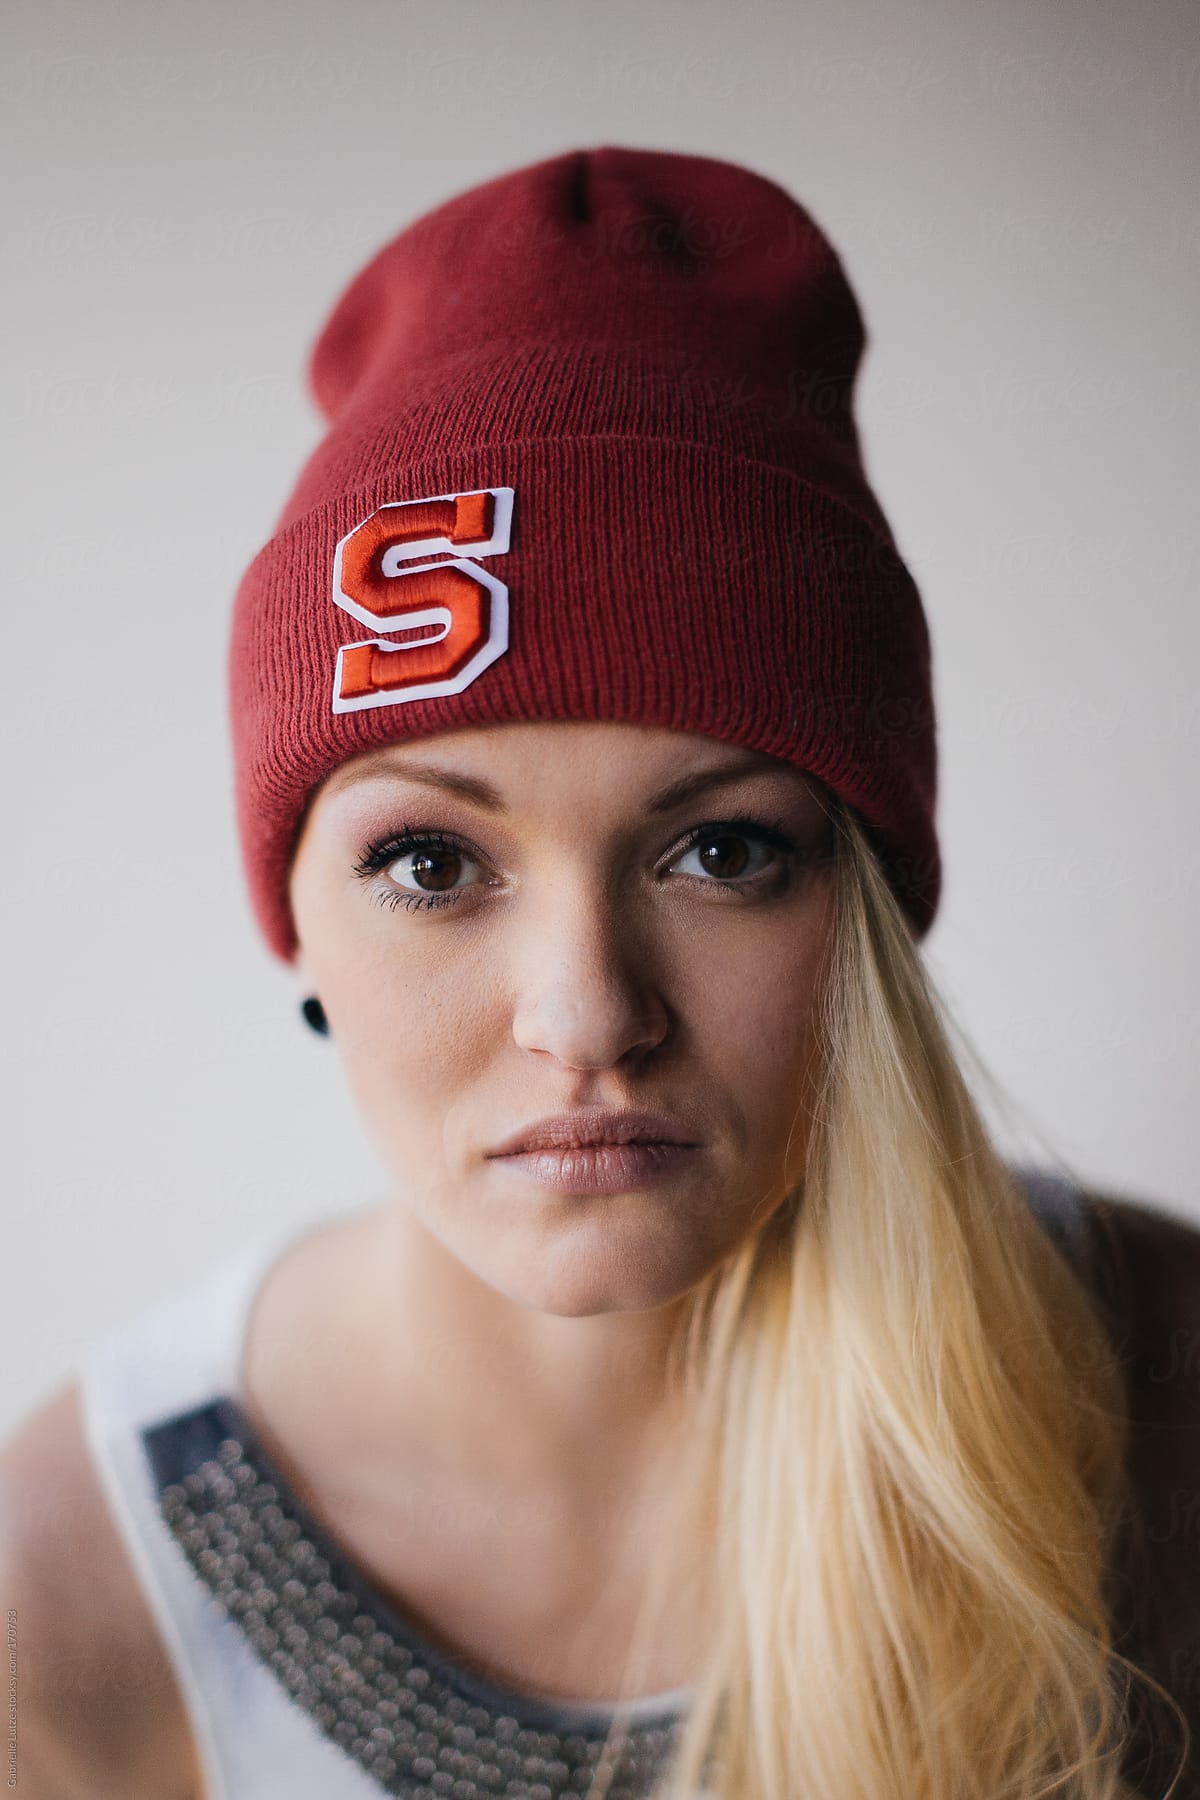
[{"x": 453, "y": 612}]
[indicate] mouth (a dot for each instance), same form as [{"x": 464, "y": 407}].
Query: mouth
[
  {"x": 601, "y": 1168},
  {"x": 593, "y": 1128}
]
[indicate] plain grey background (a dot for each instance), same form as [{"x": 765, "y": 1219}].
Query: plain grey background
[{"x": 1012, "y": 188}]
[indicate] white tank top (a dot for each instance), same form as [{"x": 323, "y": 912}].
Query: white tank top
[{"x": 302, "y": 1682}]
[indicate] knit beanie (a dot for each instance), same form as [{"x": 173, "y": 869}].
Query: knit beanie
[{"x": 591, "y": 455}]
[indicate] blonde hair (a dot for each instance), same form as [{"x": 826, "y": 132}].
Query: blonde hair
[{"x": 904, "y": 1445}]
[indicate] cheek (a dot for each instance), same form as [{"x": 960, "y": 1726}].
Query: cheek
[
  {"x": 418, "y": 1030},
  {"x": 752, "y": 1006},
  {"x": 413, "y": 1029}
]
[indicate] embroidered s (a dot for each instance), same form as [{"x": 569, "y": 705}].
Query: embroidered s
[{"x": 447, "y": 619}]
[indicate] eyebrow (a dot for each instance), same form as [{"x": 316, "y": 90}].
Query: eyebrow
[{"x": 482, "y": 793}]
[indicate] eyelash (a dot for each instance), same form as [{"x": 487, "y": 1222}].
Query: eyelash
[{"x": 384, "y": 851}]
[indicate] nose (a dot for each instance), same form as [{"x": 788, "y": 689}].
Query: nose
[{"x": 589, "y": 993}]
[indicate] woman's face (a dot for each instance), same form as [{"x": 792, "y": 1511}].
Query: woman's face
[{"x": 530, "y": 920}]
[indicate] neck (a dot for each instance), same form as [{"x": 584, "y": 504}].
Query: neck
[
  {"x": 493, "y": 1390},
  {"x": 372, "y": 1341}
]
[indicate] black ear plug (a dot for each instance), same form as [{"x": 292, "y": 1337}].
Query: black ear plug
[{"x": 314, "y": 1015}]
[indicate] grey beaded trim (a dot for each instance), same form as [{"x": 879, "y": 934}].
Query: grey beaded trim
[{"x": 419, "y": 1724}]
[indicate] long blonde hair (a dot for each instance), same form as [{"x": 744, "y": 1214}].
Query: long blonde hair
[{"x": 905, "y": 1444}]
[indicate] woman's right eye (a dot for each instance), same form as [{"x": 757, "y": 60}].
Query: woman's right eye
[
  {"x": 424, "y": 866},
  {"x": 432, "y": 870}
]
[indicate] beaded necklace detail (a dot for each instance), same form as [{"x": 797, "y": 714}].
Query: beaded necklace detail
[{"x": 420, "y": 1724}]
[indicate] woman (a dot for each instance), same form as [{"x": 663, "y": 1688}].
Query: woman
[{"x": 708, "y": 1406}]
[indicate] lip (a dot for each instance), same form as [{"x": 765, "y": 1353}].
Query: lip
[
  {"x": 587, "y": 1169},
  {"x": 589, "y": 1128}
]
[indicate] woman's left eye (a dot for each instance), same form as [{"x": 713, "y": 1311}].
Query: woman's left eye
[{"x": 736, "y": 850}]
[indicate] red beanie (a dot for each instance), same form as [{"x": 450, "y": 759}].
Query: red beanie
[{"x": 591, "y": 455}]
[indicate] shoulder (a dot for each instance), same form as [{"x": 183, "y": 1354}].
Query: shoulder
[
  {"x": 1146, "y": 1281},
  {"x": 1146, "y": 1267},
  {"x": 99, "y": 1712}
]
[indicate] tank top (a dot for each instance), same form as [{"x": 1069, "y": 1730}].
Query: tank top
[{"x": 300, "y": 1680}]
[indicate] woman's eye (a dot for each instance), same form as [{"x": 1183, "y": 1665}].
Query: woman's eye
[
  {"x": 427, "y": 868},
  {"x": 432, "y": 869},
  {"x": 728, "y": 853}
]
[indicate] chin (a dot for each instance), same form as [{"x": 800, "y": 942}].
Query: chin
[{"x": 591, "y": 1271}]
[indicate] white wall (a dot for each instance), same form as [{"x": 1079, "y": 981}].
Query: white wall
[{"x": 1012, "y": 187}]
